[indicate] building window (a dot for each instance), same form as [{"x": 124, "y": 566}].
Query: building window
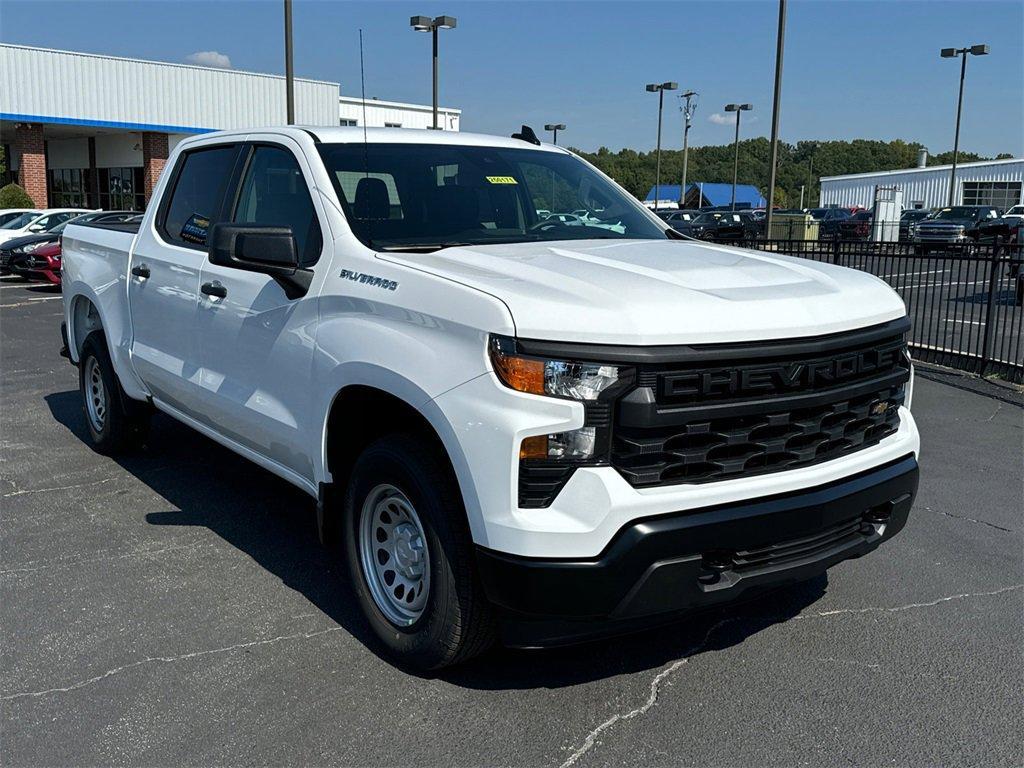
[
  {"x": 392, "y": 125},
  {"x": 348, "y": 122},
  {"x": 1001, "y": 194},
  {"x": 121, "y": 189},
  {"x": 67, "y": 187}
]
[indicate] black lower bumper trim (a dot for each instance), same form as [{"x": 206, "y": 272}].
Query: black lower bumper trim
[{"x": 696, "y": 559}]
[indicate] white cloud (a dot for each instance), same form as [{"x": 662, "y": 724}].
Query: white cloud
[
  {"x": 719, "y": 119},
  {"x": 209, "y": 59}
]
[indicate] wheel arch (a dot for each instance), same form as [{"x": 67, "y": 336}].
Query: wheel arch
[{"x": 363, "y": 410}]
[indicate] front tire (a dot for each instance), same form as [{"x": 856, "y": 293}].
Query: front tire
[
  {"x": 410, "y": 555},
  {"x": 116, "y": 422}
]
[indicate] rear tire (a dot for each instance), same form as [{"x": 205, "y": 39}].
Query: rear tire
[
  {"x": 116, "y": 422},
  {"x": 410, "y": 556}
]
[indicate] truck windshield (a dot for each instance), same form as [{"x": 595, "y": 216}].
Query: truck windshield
[
  {"x": 957, "y": 212},
  {"x": 429, "y": 196}
]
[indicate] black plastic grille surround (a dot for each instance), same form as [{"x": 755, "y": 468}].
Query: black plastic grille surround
[{"x": 811, "y": 402}]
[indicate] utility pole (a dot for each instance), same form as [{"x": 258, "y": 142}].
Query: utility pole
[
  {"x": 289, "y": 73},
  {"x": 802, "y": 186},
  {"x": 780, "y": 44},
  {"x": 688, "y": 111}
]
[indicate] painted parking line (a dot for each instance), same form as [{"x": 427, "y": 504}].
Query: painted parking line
[
  {"x": 912, "y": 274},
  {"x": 28, "y": 302},
  {"x": 965, "y": 322}
]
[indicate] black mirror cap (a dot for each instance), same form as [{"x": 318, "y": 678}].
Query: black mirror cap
[
  {"x": 253, "y": 247},
  {"x": 269, "y": 250}
]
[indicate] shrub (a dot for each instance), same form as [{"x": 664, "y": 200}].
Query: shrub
[{"x": 13, "y": 196}]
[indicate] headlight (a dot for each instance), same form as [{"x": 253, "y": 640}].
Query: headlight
[
  {"x": 547, "y": 461},
  {"x": 32, "y": 247},
  {"x": 557, "y": 378}
]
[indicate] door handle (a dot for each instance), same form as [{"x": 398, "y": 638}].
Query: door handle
[
  {"x": 214, "y": 289},
  {"x": 141, "y": 271}
]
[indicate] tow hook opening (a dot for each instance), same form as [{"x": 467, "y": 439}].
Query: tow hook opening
[{"x": 713, "y": 565}]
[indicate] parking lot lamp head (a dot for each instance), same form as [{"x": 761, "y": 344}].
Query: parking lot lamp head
[{"x": 554, "y": 128}]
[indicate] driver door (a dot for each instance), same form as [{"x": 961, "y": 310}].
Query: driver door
[{"x": 256, "y": 343}]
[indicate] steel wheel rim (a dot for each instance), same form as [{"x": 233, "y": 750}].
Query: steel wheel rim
[
  {"x": 95, "y": 394},
  {"x": 394, "y": 555}
]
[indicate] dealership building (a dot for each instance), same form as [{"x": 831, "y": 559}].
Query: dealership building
[
  {"x": 989, "y": 182},
  {"x": 91, "y": 131}
]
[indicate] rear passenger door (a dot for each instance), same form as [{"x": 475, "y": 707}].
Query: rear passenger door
[
  {"x": 163, "y": 280},
  {"x": 256, "y": 343}
]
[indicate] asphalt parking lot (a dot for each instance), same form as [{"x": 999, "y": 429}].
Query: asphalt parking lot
[{"x": 175, "y": 607}]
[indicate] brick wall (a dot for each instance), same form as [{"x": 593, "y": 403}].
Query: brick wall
[
  {"x": 154, "y": 158},
  {"x": 28, "y": 138}
]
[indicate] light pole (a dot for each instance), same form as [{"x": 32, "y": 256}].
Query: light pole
[
  {"x": 289, "y": 73},
  {"x": 779, "y": 44},
  {"x": 687, "y": 109},
  {"x": 737, "y": 108},
  {"x": 952, "y": 53},
  {"x": 554, "y": 128},
  {"x": 660, "y": 89},
  {"x": 427, "y": 24}
]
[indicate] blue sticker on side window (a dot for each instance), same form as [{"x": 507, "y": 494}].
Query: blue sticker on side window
[{"x": 195, "y": 229}]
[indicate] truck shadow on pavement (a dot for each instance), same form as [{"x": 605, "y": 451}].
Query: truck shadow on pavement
[{"x": 273, "y": 523}]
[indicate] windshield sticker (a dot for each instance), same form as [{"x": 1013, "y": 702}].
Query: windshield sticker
[
  {"x": 195, "y": 229},
  {"x": 501, "y": 180}
]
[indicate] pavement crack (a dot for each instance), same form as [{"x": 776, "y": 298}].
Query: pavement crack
[
  {"x": 591, "y": 739},
  {"x": 168, "y": 660},
  {"x": 57, "y": 488},
  {"x": 970, "y": 519}
]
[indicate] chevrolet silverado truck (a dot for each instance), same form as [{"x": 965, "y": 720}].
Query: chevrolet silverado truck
[{"x": 515, "y": 429}]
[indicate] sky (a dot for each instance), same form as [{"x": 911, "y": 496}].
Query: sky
[{"x": 852, "y": 69}]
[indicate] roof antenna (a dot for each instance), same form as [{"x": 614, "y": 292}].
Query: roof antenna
[
  {"x": 526, "y": 134},
  {"x": 366, "y": 159}
]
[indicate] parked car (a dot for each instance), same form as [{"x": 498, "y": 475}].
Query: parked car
[
  {"x": 857, "y": 227},
  {"x": 1003, "y": 229},
  {"x": 723, "y": 226},
  {"x": 908, "y": 219},
  {"x": 8, "y": 214},
  {"x": 953, "y": 225},
  {"x": 828, "y": 221},
  {"x": 680, "y": 220},
  {"x": 1016, "y": 211},
  {"x": 36, "y": 222},
  {"x": 512, "y": 428},
  {"x": 37, "y": 257}
]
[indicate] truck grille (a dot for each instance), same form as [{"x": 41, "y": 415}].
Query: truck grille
[{"x": 751, "y": 409}]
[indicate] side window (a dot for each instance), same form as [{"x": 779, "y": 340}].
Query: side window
[
  {"x": 274, "y": 193},
  {"x": 195, "y": 202}
]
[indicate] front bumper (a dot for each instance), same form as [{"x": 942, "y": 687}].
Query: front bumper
[{"x": 657, "y": 568}]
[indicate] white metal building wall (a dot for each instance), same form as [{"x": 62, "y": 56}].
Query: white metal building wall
[
  {"x": 380, "y": 113},
  {"x": 62, "y": 86},
  {"x": 928, "y": 186}
]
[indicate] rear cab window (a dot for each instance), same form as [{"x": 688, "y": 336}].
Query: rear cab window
[{"x": 195, "y": 201}]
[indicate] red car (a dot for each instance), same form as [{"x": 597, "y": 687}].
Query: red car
[{"x": 41, "y": 264}]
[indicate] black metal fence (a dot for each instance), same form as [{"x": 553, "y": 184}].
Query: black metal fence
[{"x": 965, "y": 301}]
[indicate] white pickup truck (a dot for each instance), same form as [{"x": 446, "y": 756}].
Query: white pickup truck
[{"x": 514, "y": 427}]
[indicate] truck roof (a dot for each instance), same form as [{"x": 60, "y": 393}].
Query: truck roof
[{"x": 356, "y": 135}]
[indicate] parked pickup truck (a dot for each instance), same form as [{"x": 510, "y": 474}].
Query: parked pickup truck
[{"x": 513, "y": 428}]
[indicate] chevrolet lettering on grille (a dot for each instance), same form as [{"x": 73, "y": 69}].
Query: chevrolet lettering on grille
[{"x": 780, "y": 378}]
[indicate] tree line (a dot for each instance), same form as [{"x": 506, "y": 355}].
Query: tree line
[{"x": 802, "y": 163}]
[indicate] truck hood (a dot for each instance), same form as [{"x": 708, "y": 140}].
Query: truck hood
[{"x": 650, "y": 292}]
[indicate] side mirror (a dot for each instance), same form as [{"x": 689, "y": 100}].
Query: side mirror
[{"x": 265, "y": 249}]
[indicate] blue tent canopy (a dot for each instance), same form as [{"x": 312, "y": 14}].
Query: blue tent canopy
[{"x": 713, "y": 194}]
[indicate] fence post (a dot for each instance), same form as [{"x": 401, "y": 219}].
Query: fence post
[
  {"x": 993, "y": 284},
  {"x": 835, "y": 249}
]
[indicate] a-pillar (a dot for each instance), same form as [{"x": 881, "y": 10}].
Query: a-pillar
[
  {"x": 29, "y": 142},
  {"x": 154, "y": 158}
]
